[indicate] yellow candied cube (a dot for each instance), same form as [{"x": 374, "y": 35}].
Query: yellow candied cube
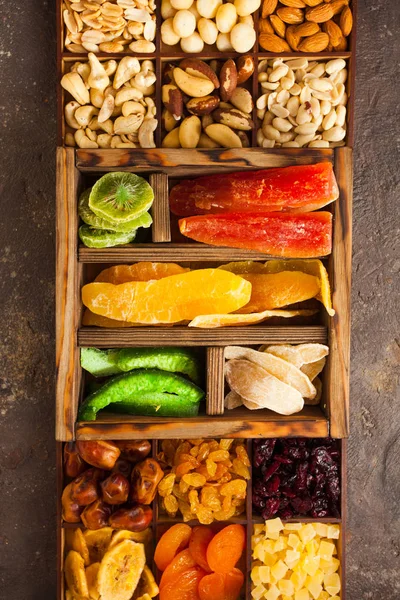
[
  {"x": 302, "y": 595},
  {"x": 265, "y": 574},
  {"x": 258, "y": 592},
  {"x": 292, "y": 557},
  {"x": 269, "y": 559},
  {"x": 258, "y": 528},
  {"x": 321, "y": 529},
  {"x": 333, "y": 532},
  {"x": 293, "y": 541},
  {"x": 310, "y": 564},
  {"x": 329, "y": 566},
  {"x": 259, "y": 552},
  {"x": 280, "y": 544},
  {"x": 284, "y": 597},
  {"x": 279, "y": 570},
  {"x": 256, "y": 539},
  {"x": 307, "y": 533},
  {"x": 298, "y": 579},
  {"x": 274, "y": 525},
  {"x": 313, "y": 587},
  {"x": 334, "y": 597},
  {"x": 312, "y": 547},
  {"x": 324, "y": 596},
  {"x": 255, "y": 575},
  {"x": 273, "y": 593},
  {"x": 332, "y": 584},
  {"x": 318, "y": 576},
  {"x": 272, "y": 535},
  {"x": 293, "y": 526},
  {"x": 326, "y": 550},
  {"x": 286, "y": 587}
]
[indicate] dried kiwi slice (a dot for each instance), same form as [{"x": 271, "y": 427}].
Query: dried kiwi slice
[
  {"x": 90, "y": 218},
  {"x": 102, "y": 238},
  {"x": 120, "y": 197}
]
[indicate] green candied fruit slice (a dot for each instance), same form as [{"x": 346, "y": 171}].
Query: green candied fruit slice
[
  {"x": 90, "y": 218},
  {"x": 100, "y": 363},
  {"x": 130, "y": 387},
  {"x": 101, "y": 238},
  {"x": 120, "y": 197},
  {"x": 175, "y": 360},
  {"x": 158, "y": 405}
]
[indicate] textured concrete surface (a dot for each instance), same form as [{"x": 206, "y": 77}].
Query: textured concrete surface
[{"x": 27, "y": 448}]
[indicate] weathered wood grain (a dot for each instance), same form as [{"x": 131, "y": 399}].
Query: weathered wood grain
[
  {"x": 161, "y": 228},
  {"x": 215, "y": 380}
]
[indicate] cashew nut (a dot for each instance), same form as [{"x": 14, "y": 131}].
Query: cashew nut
[
  {"x": 146, "y": 133},
  {"x": 130, "y": 108},
  {"x": 96, "y": 98},
  {"x": 104, "y": 140},
  {"x": 98, "y": 77},
  {"x": 83, "y": 141},
  {"x": 128, "y": 124},
  {"x": 127, "y": 94},
  {"x": 83, "y": 114},
  {"x": 69, "y": 112},
  {"x": 107, "y": 108},
  {"x": 127, "y": 68},
  {"x": 151, "y": 108},
  {"x": 74, "y": 84}
]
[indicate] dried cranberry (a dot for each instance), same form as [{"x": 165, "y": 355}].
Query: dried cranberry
[
  {"x": 288, "y": 492},
  {"x": 270, "y": 470},
  {"x": 333, "y": 487},
  {"x": 263, "y": 451},
  {"x": 286, "y": 513},
  {"x": 258, "y": 502},
  {"x": 260, "y": 489},
  {"x": 322, "y": 458},
  {"x": 301, "y": 479},
  {"x": 273, "y": 485},
  {"x": 283, "y": 459},
  {"x": 271, "y": 508},
  {"x": 302, "y": 505}
]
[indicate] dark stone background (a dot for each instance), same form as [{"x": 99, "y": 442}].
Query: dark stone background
[{"x": 27, "y": 222}]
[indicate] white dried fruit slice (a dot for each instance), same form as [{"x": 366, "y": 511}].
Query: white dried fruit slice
[
  {"x": 279, "y": 368},
  {"x": 91, "y": 577},
  {"x": 256, "y": 385},
  {"x": 143, "y": 537},
  {"x": 298, "y": 355},
  {"x": 97, "y": 542},
  {"x": 74, "y": 571},
  {"x": 79, "y": 545},
  {"x": 314, "y": 369},
  {"x": 232, "y": 400},
  {"x": 120, "y": 571}
]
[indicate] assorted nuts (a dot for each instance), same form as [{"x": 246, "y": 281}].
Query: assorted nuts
[
  {"x": 305, "y": 25},
  {"x": 193, "y": 23},
  {"x": 302, "y": 103},
  {"x": 110, "y": 26},
  {"x": 205, "y": 105},
  {"x": 113, "y": 104}
]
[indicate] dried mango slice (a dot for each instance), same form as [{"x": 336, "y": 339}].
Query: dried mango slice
[
  {"x": 90, "y": 319},
  {"x": 279, "y": 368},
  {"x": 142, "y": 271},
  {"x": 169, "y": 300},
  {"x": 211, "y": 321},
  {"x": 256, "y": 385},
  {"x": 120, "y": 571},
  {"x": 75, "y": 576}
]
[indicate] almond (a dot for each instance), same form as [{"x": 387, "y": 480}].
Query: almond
[
  {"x": 228, "y": 79},
  {"x": 273, "y": 43},
  {"x": 320, "y": 13},
  {"x": 268, "y": 7},
  {"x": 278, "y": 25},
  {"x": 346, "y": 21},
  {"x": 306, "y": 29},
  {"x": 334, "y": 32},
  {"x": 312, "y": 2},
  {"x": 338, "y": 5},
  {"x": 314, "y": 43},
  {"x": 342, "y": 46},
  {"x": 245, "y": 68},
  {"x": 266, "y": 27},
  {"x": 292, "y": 38},
  {"x": 292, "y": 16},
  {"x": 293, "y": 3}
]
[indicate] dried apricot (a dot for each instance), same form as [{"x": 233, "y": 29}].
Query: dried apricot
[
  {"x": 185, "y": 587},
  {"x": 198, "y": 543},
  {"x": 175, "y": 539},
  {"x": 221, "y": 586},
  {"x": 226, "y": 548},
  {"x": 182, "y": 562}
]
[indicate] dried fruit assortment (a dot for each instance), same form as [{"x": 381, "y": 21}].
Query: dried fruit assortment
[
  {"x": 112, "y": 484},
  {"x": 296, "y": 477},
  {"x": 109, "y": 565},
  {"x": 305, "y": 25},
  {"x": 267, "y": 380},
  {"x": 295, "y": 560},
  {"x": 204, "y": 479},
  {"x": 200, "y": 563},
  {"x": 110, "y": 26},
  {"x": 302, "y": 103},
  {"x": 146, "y": 381},
  {"x": 198, "y": 24},
  {"x": 113, "y": 103},
  {"x": 206, "y": 104}
]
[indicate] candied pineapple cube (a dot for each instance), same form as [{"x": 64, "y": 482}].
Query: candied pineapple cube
[
  {"x": 255, "y": 575},
  {"x": 293, "y": 541},
  {"x": 273, "y": 593},
  {"x": 279, "y": 570},
  {"x": 318, "y": 576},
  {"x": 307, "y": 533},
  {"x": 259, "y": 552},
  {"x": 265, "y": 574},
  {"x": 332, "y": 584},
  {"x": 286, "y": 587},
  {"x": 310, "y": 564},
  {"x": 280, "y": 544},
  {"x": 274, "y": 525},
  {"x": 321, "y": 529},
  {"x": 333, "y": 532},
  {"x": 269, "y": 546},
  {"x": 284, "y": 597},
  {"x": 258, "y": 529},
  {"x": 326, "y": 550},
  {"x": 314, "y": 587},
  {"x": 329, "y": 566},
  {"x": 324, "y": 596},
  {"x": 292, "y": 557},
  {"x": 258, "y": 592},
  {"x": 302, "y": 595},
  {"x": 272, "y": 535},
  {"x": 293, "y": 526},
  {"x": 255, "y": 540},
  {"x": 312, "y": 547}
]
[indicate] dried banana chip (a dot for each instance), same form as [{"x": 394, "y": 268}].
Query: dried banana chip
[
  {"x": 147, "y": 587},
  {"x": 75, "y": 576},
  {"x": 142, "y": 537},
  {"x": 313, "y": 369},
  {"x": 79, "y": 544},
  {"x": 279, "y": 368},
  {"x": 97, "y": 542},
  {"x": 120, "y": 571},
  {"x": 91, "y": 577}
]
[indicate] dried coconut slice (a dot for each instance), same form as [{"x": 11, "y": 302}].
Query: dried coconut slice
[
  {"x": 232, "y": 400},
  {"x": 313, "y": 369},
  {"x": 311, "y": 353},
  {"x": 318, "y": 386},
  {"x": 279, "y": 368},
  {"x": 210, "y": 321},
  {"x": 298, "y": 355},
  {"x": 256, "y": 385}
]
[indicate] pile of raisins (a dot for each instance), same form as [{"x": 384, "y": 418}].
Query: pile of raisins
[{"x": 296, "y": 477}]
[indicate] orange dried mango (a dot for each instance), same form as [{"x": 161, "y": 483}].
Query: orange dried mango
[
  {"x": 169, "y": 300},
  {"x": 210, "y": 321},
  {"x": 142, "y": 271},
  {"x": 90, "y": 319}
]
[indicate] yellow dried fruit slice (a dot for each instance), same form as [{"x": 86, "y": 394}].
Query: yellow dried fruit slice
[
  {"x": 97, "y": 542},
  {"x": 147, "y": 585},
  {"x": 141, "y": 537},
  {"x": 79, "y": 544},
  {"x": 313, "y": 369},
  {"x": 91, "y": 577},
  {"x": 210, "y": 321},
  {"x": 298, "y": 355},
  {"x": 75, "y": 576},
  {"x": 232, "y": 400},
  {"x": 143, "y": 271},
  {"x": 90, "y": 319},
  {"x": 284, "y": 371},
  {"x": 120, "y": 571}
]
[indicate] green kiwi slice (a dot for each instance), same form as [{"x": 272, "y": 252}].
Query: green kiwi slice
[
  {"x": 90, "y": 218},
  {"x": 120, "y": 197},
  {"x": 102, "y": 238}
]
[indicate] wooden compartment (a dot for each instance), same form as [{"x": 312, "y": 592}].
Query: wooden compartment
[
  {"x": 161, "y": 522},
  {"x": 75, "y": 263}
]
